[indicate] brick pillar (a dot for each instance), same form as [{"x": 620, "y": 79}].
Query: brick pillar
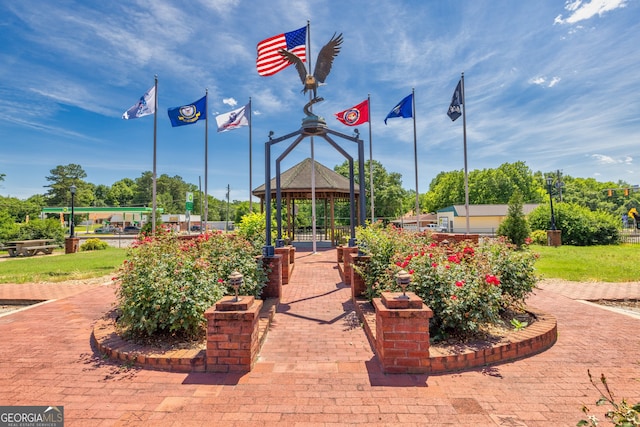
[
  {"x": 284, "y": 253},
  {"x": 402, "y": 333},
  {"x": 339, "y": 252},
  {"x": 292, "y": 254},
  {"x": 554, "y": 238},
  {"x": 358, "y": 287},
  {"x": 274, "y": 278},
  {"x": 348, "y": 252},
  {"x": 232, "y": 334}
]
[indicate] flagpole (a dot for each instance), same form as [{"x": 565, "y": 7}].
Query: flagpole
[
  {"x": 415, "y": 156},
  {"x": 370, "y": 155},
  {"x": 155, "y": 131},
  {"x": 313, "y": 161},
  {"x": 206, "y": 159},
  {"x": 464, "y": 133},
  {"x": 250, "y": 159}
]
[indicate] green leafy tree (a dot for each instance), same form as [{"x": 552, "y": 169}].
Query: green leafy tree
[
  {"x": 515, "y": 227},
  {"x": 387, "y": 189},
  {"x": 20, "y": 210},
  {"x": 487, "y": 186},
  {"x": 121, "y": 193}
]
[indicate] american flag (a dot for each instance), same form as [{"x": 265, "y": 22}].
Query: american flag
[{"x": 270, "y": 61}]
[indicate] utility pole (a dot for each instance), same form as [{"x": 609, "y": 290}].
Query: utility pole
[{"x": 559, "y": 184}]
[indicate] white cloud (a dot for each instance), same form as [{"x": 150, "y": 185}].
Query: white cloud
[
  {"x": 554, "y": 81},
  {"x": 537, "y": 80},
  {"x": 607, "y": 160},
  {"x": 230, "y": 102},
  {"x": 582, "y": 11}
]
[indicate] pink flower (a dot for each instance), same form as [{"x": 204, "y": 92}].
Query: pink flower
[
  {"x": 434, "y": 265},
  {"x": 453, "y": 297},
  {"x": 454, "y": 259},
  {"x": 460, "y": 283},
  {"x": 412, "y": 271}
]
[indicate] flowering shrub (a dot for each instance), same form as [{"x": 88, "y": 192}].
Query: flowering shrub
[
  {"x": 93, "y": 245},
  {"x": 167, "y": 283},
  {"x": 466, "y": 285}
]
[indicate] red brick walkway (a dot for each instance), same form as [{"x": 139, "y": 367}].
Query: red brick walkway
[{"x": 316, "y": 367}]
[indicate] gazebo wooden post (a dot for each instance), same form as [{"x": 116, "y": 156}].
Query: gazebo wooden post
[
  {"x": 333, "y": 219},
  {"x": 326, "y": 231},
  {"x": 289, "y": 217}
]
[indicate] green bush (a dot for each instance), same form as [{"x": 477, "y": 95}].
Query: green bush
[
  {"x": 466, "y": 285},
  {"x": 579, "y": 225},
  {"x": 253, "y": 227},
  {"x": 167, "y": 283},
  {"x": 42, "y": 229},
  {"x": 93, "y": 245},
  {"x": 8, "y": 228}
]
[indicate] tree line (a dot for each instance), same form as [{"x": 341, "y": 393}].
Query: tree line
[{"x": 486, "y": 186}]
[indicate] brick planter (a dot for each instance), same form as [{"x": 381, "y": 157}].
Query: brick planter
[
  {"x": 274, "y": 278},
  {"x": 232, "y": 334},
  {"x": 348, "y": 254},
  {"x": 534, "y": 339},
  {"x": 402, "y": 333},
  {"x": 286, "y": 263},
  {"x": 358, "y": 286}
]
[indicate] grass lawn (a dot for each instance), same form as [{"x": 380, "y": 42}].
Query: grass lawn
[
  {"x": 576, "y": 263},
  {"x": 57, "y": 268},
  {"x": 589, "y": 263}
]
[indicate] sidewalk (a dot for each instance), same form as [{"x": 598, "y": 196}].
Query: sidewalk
[{"x": 316, "y": 367}]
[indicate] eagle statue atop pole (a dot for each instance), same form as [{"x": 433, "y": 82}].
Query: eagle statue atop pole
[{"x": 323, "y": 68}]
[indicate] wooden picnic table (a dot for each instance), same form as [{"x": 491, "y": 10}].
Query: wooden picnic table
[{"x": 30, "y": 247}]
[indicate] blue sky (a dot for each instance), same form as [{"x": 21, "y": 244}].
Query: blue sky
[{"x": 549, "y": 83}]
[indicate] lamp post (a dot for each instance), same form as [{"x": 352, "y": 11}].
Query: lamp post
[
  {"x": 73, "y": 193},
  {"x": 553, "y": 218}
]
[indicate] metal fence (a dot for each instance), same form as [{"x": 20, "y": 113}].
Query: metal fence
[{"x": 633, "y": 238}]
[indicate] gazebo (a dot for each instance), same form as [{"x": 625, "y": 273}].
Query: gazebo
[{"x": 295, "y": 184}]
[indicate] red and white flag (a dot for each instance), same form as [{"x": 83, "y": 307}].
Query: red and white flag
[
  {"x": 355, "y": 115},
  {"x": 270, "y": 61}
]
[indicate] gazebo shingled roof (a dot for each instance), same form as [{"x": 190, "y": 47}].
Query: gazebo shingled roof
[{"x": 296, "y": 183}]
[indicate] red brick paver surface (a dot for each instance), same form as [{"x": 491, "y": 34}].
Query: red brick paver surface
[{"x": 316, "y": 367}]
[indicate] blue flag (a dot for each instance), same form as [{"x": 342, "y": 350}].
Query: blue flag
[
  {"x": 403, "y": 109},
  {"x": 456, "y": 100},
  {"x": 188, "y": 114}
]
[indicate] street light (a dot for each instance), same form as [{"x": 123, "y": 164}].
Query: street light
[
  {"x": 73, "y": 193},
  {"x": 553, "y": 218}
]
